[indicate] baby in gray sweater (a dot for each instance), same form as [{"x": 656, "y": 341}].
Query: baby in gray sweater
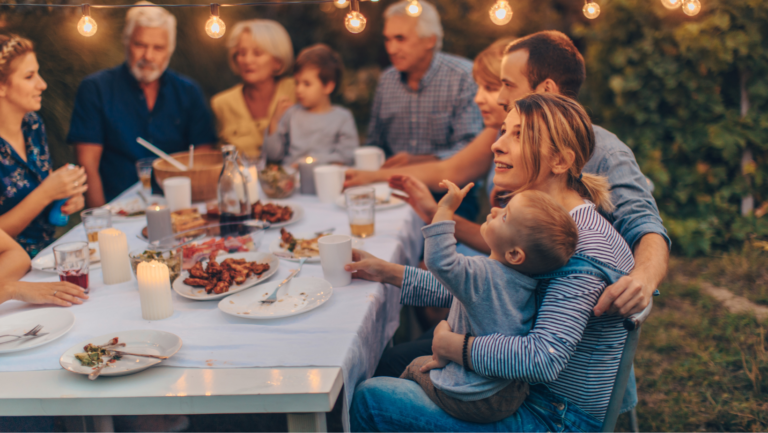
[
  {"x": 314, "y": 127},
  {"x": 531, "y": 235}
]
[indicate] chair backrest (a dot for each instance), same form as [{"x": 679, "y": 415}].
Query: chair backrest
[{"x": 632, "y": 324}]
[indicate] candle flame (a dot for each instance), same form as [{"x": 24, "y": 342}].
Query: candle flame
[{"x": 309, "y": 160}]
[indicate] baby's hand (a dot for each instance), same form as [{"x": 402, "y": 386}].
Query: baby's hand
[{"x": 453, "y": 198}]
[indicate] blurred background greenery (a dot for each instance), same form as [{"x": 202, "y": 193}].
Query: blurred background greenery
[{"x": 669, "y": 85}]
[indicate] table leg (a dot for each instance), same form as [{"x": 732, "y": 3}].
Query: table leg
[
  {"x": 103, "y": 424},
  {"x": 307, "y": 422}
]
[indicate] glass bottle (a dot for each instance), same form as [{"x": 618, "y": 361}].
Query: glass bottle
[{"x": 234, "y": 204}]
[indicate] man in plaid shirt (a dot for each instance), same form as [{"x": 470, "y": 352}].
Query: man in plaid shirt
[{"x": 424, "y": 106}]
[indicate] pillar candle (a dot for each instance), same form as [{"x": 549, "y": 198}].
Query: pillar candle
[
  {"x": 154, "y": 290},
  {"x": 113, "y": 249},
  {"x": 306, "y": 172},
  {"x": 253, "y": 185},
  {"x": 158, "y": 222},
  {"x": 178, "y": 192}
]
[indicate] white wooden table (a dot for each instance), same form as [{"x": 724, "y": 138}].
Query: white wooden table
[{"x": 305, "y": 394}]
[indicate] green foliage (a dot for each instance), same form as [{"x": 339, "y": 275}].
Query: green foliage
[{"x": 670, "y": 86}]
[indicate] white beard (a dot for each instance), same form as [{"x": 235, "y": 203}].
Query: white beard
[{"x": 145, "y": 76}]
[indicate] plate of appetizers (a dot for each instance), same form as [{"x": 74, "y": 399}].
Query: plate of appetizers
[{"x": 226, "y": 274}]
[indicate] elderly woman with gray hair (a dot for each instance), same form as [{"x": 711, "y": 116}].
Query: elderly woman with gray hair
[
  {"x": 139, "y": 98},
  {"x": 261, "y": 53}
]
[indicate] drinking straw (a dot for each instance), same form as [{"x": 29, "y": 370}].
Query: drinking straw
[{"x": 161, "y": 154}]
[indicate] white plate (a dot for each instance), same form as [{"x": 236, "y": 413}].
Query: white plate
[
  {"x": 46, "y": 263},
  {"x": 56, "y": 322},
  {"x": 132, "y": 205},
  {"x": 298, "y": 213},
  {"x": 198, "y": 293},
  {"x": 274, "y": 247},
  {"x": 298, "y": 296},
  {"x": 144, "y": 341},
  {"x": 394, "y": 202}
]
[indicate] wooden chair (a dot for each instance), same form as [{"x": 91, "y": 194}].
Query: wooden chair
[{"x": 632, "y": 324}]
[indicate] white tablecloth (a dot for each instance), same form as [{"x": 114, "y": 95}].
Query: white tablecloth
[{"x": 350, "y": 331}]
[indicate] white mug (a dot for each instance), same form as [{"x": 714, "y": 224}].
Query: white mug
[
  {"x": 329, "y": 181},
  {"x": 178, "y": 192},
  {"x": 369, "y": 158},
  {"x": 335, "y": 253}
]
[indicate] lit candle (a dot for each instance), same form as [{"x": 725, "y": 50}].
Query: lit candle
[
  {"x": 154, "y": 290},
  {"x": 306, "y": 168},
  {"x": 113, "y": 249},
  {"x": 158, "y": 222}
]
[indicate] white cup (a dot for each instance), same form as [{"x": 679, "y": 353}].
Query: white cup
[
  {"x": 329, "y": 181},
  {"x": 369, "y": 158},
  {"x": 335, "y": 253},
  {"x": 178, "y": 193}
]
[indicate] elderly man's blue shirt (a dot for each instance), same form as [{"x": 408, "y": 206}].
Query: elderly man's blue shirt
[{"x": 110, "y": 110}]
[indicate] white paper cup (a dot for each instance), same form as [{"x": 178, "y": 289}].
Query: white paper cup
[
  {"x": 335, "y": 253},
  {"x": 178, "y": 193},
  {"x": 369, "y": 158},
  {"x": 329, "y": 181}
]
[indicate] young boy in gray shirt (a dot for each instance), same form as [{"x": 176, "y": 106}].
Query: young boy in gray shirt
[
  {"x": 314, "y": 127},
  {"x": 531, "y": 235}
]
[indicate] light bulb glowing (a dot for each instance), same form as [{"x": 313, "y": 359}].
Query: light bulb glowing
[
  {"x": 691, "y": 7},
  {"x": 591, "y": 10},
  {"x": 215, "y": 27},
  {"x": 341, "y": 4},
  {"x": 671, "y": 4},
  {"x": 413, "y": 9},
  {"x": 355, "y": 22},
  {"x": 501, "y": 13},
  {"x": 87, "y": 25}
]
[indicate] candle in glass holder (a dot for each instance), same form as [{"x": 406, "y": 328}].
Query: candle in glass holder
[
  {"x": 306, "y": 172},
  {"x": 158, "y": 222},
  {"x": 113, "y": 249},
  {"x": 154, "y": 290}
]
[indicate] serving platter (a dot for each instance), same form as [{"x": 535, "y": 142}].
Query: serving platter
[{"x": 198, "y": 293}]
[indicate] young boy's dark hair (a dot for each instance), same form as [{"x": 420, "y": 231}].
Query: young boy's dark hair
[{"x": 327, "y": 62}]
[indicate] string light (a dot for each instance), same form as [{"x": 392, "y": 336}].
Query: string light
[
  {"x": 87, "y": 26},
  {"x": 671, "y": 4},
  {"x": 215, "y": 27},
  {"x": 691, "y": 7},
  {"x": 355, "y": 21},
  {"x": 341, "y": 4},
  {"x": 591, "y": 10},
  {"x": 501, "y": 13},
  {"x": 413, "y": 8}
]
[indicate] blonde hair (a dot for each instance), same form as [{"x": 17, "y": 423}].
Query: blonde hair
[
  {"x": 549, "y": 234},
  {"x": 486, "y": 68},
  {"x": 271, "y": 37},
  {"x": 569, "y": 129},
  {"x": 427, "y": 24},
  {"x": 12, "y": 47},
  {"x": 151, "y": 17}
]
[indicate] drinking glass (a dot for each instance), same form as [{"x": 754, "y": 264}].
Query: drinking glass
[
  {"x": 361, "y": 206},
  {"x": 95, "y": 220},
  {"x": 144, "y": 169},
  {"x": 73, "y": 260}
]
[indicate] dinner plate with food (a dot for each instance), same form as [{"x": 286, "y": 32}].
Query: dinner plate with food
[
  {"x": 297, "y": 296},
  {"x": 181, "y": 221},
  {"x": 294, "y": 247},
  {"x": 132, "y": 208},
  {"x": 47, "y": 263},
  {"x": 32, "y": 328},
  {"x": 224, "y": 274},
  {"x": 120, "y": 353},
  {"x": 277, "y": 214}
]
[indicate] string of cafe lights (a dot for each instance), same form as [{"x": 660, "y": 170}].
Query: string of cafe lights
[{"x": 500, "y": 13}]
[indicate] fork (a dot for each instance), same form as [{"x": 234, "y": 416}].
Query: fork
[
  {"x": 271, "y": 299},
  {"x": 31, "y": 333}
]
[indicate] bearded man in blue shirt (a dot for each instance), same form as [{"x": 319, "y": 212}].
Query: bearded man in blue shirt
[{"x": 139, "y": 98}]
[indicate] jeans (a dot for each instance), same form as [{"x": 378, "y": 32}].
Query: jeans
[{"x": 389, "y": 405}]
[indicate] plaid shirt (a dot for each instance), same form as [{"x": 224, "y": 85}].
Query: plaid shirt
[{"x": 438, "y": 119}]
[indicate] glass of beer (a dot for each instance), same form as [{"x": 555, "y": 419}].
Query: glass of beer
[
  {"x": 144, "y": 169},
  {"x": 73, "y": 261},
  {"x": 95, "y": 220},
  {"x": 361, "y": 207}
]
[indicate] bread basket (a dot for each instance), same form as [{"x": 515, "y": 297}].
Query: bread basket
[{"x": 204, "y": 174}]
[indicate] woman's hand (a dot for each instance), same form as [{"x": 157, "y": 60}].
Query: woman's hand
[
  {"x": 419, "y": 196},
  {"x": 59, "y": 293},
  {"x": 73, "y": 205},
  {"x": 64, "y": 183},
  {"x": 369, "y": 267},
  {"x": 360, "y": 177}
]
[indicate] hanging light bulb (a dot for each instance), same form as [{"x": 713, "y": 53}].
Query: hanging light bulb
[
  {"x": 591, "y": 10},
  {"x": 501, "y": 13},
  {"x": 215, "y": 27},
  {"x": 87, "y": 26},
  {"x": 355, "y": 22},
  {"x": 691, "y": 7},
  {"x": 341, "y": 4},
  {"x": 671, "y": 4},
  {"x": 413, "y": 9}
]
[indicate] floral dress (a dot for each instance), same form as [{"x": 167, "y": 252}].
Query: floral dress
[{"x": 21, "y": 178}]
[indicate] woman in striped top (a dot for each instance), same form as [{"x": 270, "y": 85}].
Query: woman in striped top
[{"x": 546, "y": 140}]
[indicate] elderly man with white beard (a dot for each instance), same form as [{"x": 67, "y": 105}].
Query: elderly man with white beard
[{"x": 139, "y": 98}]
